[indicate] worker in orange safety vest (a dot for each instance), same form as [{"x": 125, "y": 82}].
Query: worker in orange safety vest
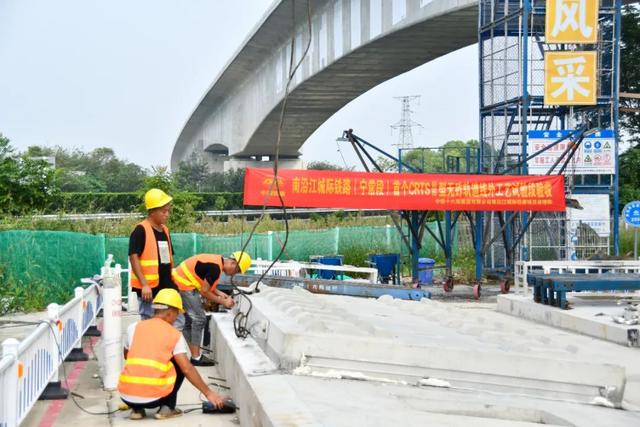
[
  {"x": 151, "y": 251},
  {"x": 157, "y": 363},
  {"x": 197, "y": 277}
]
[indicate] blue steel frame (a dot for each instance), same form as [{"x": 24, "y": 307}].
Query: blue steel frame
[
  {"x": 504, "y": 19},
  {"x": 415, "y": 219},
  {"x": 500, "y": 23}
]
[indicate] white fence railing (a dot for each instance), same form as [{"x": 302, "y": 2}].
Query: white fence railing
[
  {"x": 299, "y": 269},
  {"x": 27, "y": 367},
  {"x": 523, "y": 268}
]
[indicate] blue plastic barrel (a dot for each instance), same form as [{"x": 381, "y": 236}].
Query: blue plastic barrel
[
  {"x": 328, "y": 260},
  {"x": 425, "y": 270}
]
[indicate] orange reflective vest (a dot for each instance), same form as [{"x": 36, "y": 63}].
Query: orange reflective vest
[
  {"x": 185, "y": 274},
  {"x": 148, "y": 371},
  {"x": 149, "y": 258}
]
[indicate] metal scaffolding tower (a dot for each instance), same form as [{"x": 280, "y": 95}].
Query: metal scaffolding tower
[{"x": 512, "y": 49}]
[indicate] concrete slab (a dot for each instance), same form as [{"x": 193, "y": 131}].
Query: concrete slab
[
  {"x": 589, "y": 315},
  {"x": 513, "y": 370},
  {"x": 368, "y": 403}
]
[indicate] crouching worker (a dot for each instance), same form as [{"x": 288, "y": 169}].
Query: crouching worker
[
  {"x": 157, "y": 363},
  {"x": 197, "y": 277}
]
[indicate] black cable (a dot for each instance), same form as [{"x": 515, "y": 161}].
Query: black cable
[
  {"x": 240, "y": 319},
  {"x": 66, "y": 380}
]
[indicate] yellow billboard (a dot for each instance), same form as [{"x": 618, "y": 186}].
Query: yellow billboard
[
  {"x": 571, "y": 21},
  {"x": 570, "y": 78}
]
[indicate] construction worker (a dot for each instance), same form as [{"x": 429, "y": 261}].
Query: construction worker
[
  {"x": 157, "y": 363},
  {"x": 151, "y": 252},
  {"x": 197, "y": 277}
]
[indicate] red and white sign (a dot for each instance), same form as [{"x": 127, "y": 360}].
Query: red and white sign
[{"x": 404, "y": 191}]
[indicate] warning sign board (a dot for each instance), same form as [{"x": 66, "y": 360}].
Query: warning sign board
[{"x": 595, "y": 156}]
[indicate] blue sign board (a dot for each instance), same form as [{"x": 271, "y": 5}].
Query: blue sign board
[{"x": 631, "y": 213}]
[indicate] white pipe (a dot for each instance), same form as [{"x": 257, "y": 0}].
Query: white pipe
[{"x": 112, "y": 333}]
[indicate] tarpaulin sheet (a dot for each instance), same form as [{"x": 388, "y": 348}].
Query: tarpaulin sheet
[{"x": 404, "y": 191}]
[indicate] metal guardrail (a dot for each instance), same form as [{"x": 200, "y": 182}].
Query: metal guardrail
[
  {"x": 523, "y": 268},
  {"x": 237, "y": 212},
  {"x": 27, "y": 367}
]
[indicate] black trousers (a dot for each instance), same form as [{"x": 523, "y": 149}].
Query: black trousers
[{"x": 168, "y": 400}]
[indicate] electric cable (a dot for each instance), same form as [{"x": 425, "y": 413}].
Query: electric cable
[
  {"x": 241, "y": 318},
  {"x": 72, "y": 394}
]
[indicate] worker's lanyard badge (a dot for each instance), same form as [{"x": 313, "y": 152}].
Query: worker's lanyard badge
[{"x": 163, "y": 251}]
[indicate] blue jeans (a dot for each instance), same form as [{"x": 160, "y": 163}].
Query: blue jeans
[{"x": 145, "y": 309}]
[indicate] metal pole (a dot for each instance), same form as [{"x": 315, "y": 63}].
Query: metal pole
[
  {"x": 635, "y": 243},
  {"x": 525, "y": 116},
  {"x": 616, "y": 130},
  {"x": 415, "y": 251},
  {"x": 447, "y": 243}
]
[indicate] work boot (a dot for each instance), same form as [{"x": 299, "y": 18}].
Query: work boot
[
  {"x": 165, "y": 412},
  {"x": 202, "y": 361},
  {"x": 137, "y": 414}
]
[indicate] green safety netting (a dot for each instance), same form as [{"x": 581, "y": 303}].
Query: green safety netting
[
  {"x": 65, "y": 257},
  {"x": 59, "y": 258}
]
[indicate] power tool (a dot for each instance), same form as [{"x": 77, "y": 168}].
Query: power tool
[{"x": 229, "y": 407}]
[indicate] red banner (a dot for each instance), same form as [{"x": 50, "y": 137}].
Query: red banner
[{"x": 404, "y": 191}]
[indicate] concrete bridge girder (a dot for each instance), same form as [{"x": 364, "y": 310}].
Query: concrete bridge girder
[{"x": 349, "y": 55}]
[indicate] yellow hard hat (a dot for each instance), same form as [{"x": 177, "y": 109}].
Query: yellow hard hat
[
  {"x": 156, "y": 198},
  {"x": 243, "y": 259},
  {"x": 169, "y": 297}
]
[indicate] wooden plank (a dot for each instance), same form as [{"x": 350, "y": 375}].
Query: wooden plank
[{"x": 629, "y": 95}]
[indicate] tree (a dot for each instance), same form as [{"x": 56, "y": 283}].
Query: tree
[
  {"x": 629, "y": 70},
  {"x": 26, "y": 185},
  {"x": 183, "y": 205},
  {"x": 96, "y": 171},
  {"x": 191, "y": 175},
  {"x": 234, "y": 180},
  {"x": 386, "y": 164},
  {"x": 71, "y": 181},
  {"x": 630, "y": 175},
  {"x": 451, "y": 157},
  {"x": 323, "y": 166}
]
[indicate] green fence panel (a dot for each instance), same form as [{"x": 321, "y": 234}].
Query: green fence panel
[
  {"x": 119, "y": 248},
  {"x": 303, "y": 244},
  {"x": 184, "y": 246},
  {"x": 60, "y": 258},
  {"x": 223, "y": 245}
]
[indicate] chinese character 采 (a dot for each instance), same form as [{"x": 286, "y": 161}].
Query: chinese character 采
[{"x": 570, "y": 78}]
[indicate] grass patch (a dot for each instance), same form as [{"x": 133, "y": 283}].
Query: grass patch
[{"x": 29, "y": 295}]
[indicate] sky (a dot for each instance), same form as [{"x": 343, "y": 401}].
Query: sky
[{"x": 127, "y": 75}]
